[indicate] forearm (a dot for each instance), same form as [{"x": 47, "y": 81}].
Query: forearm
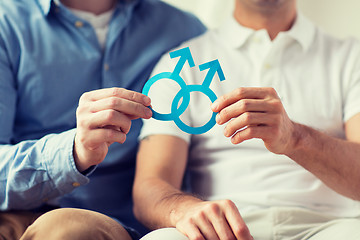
[
  {"x": 35, "y": 171},
  {"x": 158, "y": 204},
  {"x": 158, "y": 201},
  {"x": 334, "y": 161}
]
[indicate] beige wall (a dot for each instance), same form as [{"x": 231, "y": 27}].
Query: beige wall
[{"x": 338, "y": 17}]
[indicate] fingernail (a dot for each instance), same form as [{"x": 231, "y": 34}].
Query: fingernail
[
  {"x": 226, "y": 134},
  {"x": 218, "y": 119},
  {"x": 148, "y": 113},
  {"x": 146, "y": 100},
  {"x": 215, "y": 106}
]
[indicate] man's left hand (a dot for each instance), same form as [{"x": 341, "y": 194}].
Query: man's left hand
[{"x": 256, "y": 113}]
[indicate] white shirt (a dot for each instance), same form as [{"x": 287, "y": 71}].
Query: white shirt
[
  {"x": 100, "y": 22},
  {"x": 318, "y": 80}
]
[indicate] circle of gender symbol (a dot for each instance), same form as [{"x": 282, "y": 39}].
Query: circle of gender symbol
[{"x": 184, "y": 93}]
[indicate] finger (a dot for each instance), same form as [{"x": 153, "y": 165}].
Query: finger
[
  {"x": 242, "y": 106},
  {"x": 250, "y": 133},
  {"x": 131, "y": 108},
  {"x": 110, "y": 118},
  {"x": 237, "y": 224},
  {"x": 206, "y": 228},
  {"x": 219, "y": 222},
  {"x": 242, "y": 93},
  {"x": 118, "y": 93},
  {"x": 193, "y": 233},
  {"x": 248, "y": 119},
  {"x": 223, "y": 229},
  {"x": 96, "y": 137}
]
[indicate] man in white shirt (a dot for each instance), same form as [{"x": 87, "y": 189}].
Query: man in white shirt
[{"x": 283, "y": 161}]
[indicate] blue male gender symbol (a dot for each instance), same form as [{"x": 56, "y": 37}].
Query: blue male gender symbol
[{"x": 184, "y": 55}]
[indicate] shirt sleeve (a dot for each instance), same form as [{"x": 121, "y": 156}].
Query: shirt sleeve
[
  {"x": 352, "y": 84},
  {"x": 33, "y": 171},
  {"x": 162, "y": 94}
]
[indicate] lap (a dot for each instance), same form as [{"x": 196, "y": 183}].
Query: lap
[
  {"x": 63, "y": 223},
  {"x": 348, "y": 229},
  {"x": 14, "y": 223}
]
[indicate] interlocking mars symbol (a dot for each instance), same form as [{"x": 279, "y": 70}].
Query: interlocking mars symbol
[{"x": 184, "y": 56}]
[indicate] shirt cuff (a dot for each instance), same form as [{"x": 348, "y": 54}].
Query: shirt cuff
[{"x": 60, "y": 163}]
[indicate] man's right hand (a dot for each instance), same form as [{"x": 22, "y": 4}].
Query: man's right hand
[
  {"x": 104, "y": 117},
  {"x": 211, "y": 220}
]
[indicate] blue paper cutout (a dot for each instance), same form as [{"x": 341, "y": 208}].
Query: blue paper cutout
[{"x": 184, "y": 55}]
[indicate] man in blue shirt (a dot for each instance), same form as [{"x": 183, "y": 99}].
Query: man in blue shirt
[{"x": 58, "y": 150}]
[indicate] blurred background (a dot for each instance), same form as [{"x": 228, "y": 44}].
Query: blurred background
[{"x": 340, "y": 18}]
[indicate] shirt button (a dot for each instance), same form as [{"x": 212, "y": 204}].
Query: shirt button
[
  {"x": 106, "y": 66},
  {"x": 76, "y": 184},
  {"x": 79, "y": 24},
  {"x": 256, "y": 40},
  {"x": 267, "y": 66}
]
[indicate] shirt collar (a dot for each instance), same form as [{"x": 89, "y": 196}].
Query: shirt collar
[
  {"x": 45, "y": 5},
  {"x": 303, "y": 31},
  {"x": 237, "y": 35},
  {"x": 233, "y": 33}
]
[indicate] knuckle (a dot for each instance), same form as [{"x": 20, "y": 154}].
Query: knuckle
[
  {"x": 84, "y": 97},
  {"x": 214, "y": 208},
  {"x": 228, "y": 202},
  {"x": 247, "y": 116},
  {"x": 239, "y": 91},
  {"x": 116, "y": 91},
  {"x": 81, "y": 122},
  {"x": 83, "y": 109},
  {"x": 272, "y": 91},
  {"x": 224, "y": 114},
  {"x": 244, "y": 104},
  {"x": 133, "y": 96},
  {"x": 190, "y": 221},
  {"x": 81, "y": 138},
  {"x": 201, "y": 215},
  {"x": 277, "y": 104},
  {"x": 110, "y": 115},
  {"x": 139, "y": 109},
  {"x": 113, "y": 102}
]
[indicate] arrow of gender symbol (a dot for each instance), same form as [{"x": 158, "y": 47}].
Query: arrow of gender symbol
[
  {"x": 214, "y": 67},
  {"x": 185, "y": 56}
]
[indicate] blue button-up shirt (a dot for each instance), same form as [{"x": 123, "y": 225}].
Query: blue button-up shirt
[{"x": 47, "y": 60}]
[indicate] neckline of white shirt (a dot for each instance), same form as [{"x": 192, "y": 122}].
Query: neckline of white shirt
[{"x": 302, "y": 31}]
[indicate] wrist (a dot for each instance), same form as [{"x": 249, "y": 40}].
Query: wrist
[
  {"x": 81, "y": 159},
  {"x": 298, "y": 139},
  {"x": 186, "y": 203},
  {"x": 81, "y": 167}
]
